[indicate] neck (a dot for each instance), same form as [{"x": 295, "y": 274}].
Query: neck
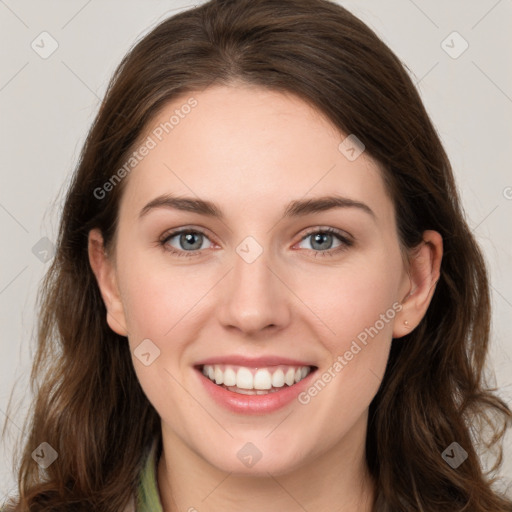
[{"x": 335, "y": 480}]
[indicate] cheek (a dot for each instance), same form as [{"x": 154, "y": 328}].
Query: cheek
[
  {"x": 352, "y": 299},
  {"x": 357, "y": 307},
  {"x": 358, "y": 304},
  {"x": 157, "y": 296},
  {"x": 160, "y": 297},
  {"x": 158, "y": 301}
]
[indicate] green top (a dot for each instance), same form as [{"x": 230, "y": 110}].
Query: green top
[{"x": 148, "y": 496}]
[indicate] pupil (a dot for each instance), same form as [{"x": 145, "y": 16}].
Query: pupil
[
  {"x": 319, "y": 236},
  {"x": 189, "y": 237}
]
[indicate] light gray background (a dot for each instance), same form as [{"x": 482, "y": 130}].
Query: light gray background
[{"x": 47, "y": 105}]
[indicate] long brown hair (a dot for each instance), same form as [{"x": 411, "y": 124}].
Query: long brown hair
[{"x": 89, "y": 405}]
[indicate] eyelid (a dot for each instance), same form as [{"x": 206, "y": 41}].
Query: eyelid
[
  {"x": 177, "y": 231},
  {"x": 328, "y": 229}
]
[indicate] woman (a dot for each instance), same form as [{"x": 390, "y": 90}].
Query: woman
[{"x": 260, "y": 369}]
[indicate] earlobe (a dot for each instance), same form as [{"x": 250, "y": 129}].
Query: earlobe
[
  {"x": 104, "y": 271},
  {"x": 424, "y": 272}
]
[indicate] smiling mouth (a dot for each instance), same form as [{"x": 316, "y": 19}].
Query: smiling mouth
[{"x": 255, "y": 381}]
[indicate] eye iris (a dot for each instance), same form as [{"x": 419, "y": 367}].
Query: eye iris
[
  {"x": 188, "y": 237},
  {"x": 318, "y": 237},
  {"x": 321, "y": 240}
]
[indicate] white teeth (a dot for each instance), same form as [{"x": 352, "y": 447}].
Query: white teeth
[
  {"x": 244, "y": 379},
  {"x": 262, "y": 380},
  {"x": 289, "y": 377},
  {"x": 252, "y": 381},
  {"x": 219, "y": 376},
  {"x": 246, "y": 391},
  {"x": 278, "y": 379},
  {"x": 229, "y": 377}
]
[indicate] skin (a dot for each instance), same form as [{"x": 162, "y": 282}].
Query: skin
[{"x": 251, "y": 151}]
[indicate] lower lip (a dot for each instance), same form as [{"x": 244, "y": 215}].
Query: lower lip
[{"x": 254, "y": 404}]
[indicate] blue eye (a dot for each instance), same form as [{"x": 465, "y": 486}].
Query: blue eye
[
  {"x": 323, "y": 237},
  {"x": 190, "y": 242},
  {"x": 188, "y": 238}
]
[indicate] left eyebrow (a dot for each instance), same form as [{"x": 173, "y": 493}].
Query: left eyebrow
[
  {"x": 188, "y": 204},
  {"x": 295, "y": 208}
]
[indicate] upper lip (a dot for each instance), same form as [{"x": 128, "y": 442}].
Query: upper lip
[{"x": 253, "y": 362}]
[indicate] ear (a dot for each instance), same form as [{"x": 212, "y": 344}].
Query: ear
[
  {"x": 104, "y": 270},
  {"x": 423, "y": 275}
]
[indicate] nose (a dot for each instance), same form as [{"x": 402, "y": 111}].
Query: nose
[{"x": 254, "y": 297}]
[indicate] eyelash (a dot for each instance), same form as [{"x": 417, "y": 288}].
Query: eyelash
[{"x": 345, "y": 242}]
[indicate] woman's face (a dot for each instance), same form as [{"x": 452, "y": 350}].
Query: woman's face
[{"x": 253, "y": 287}]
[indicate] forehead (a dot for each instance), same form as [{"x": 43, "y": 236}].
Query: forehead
[{"x": 247, "y": 146}]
